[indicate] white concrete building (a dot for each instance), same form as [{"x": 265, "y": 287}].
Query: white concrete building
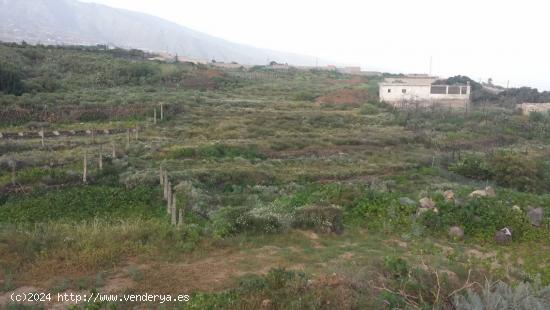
[{"x": 420, "y": 90}]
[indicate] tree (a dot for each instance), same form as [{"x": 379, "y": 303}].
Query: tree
[{"x": 10, "y": 80}]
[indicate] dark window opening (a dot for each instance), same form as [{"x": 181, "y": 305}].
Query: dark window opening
[
  {"x": 438, "y": 89},
  {"x": 454, "y": 90},
  {"x": 403, "y": 90}
]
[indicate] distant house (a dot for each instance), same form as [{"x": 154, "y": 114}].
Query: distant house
[
  {"x": 527, "y": 108},
  {"x": 349, "y": 70},
  {"x": 278, "y": 66},
  {"x": 420, "y": 90}
]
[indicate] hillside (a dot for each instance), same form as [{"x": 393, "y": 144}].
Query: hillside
[
  {"x": 73, "y": 22},
  {"x": 240, "y": 188}
]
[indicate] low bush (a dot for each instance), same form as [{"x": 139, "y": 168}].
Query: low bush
[
  {"x": 324, "y": 219},
  {"x": 276, "y": 290},
  {"x": 230, "y": 221},
  {"x": 482, "y": 217},
  {"x": 506, "y": 169},
  {"x": 500, "y": 295},
  {"x": 82, "y": 203},
  {"x": 218, "y": 151},
  {"x": 473, "y": 166},
  {"x": 380, "y": 210}
]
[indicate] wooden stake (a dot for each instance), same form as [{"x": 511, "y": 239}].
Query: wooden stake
[
  {"x": 180, "y": 219},
  {"x": 85, "y": 169},
  {"x": 161, "y": 175},
  {"x": 161, "y": 111},
  {"x": 100, "y": 157},
  {"x": 165, "y": 182},
  {"x": 113, "y": 150},
  {"x": 169, "y": 197},
  {"x": 174, "y": 210},
  {"x": 42, "y": 136},
  {"x": 128, "y": 138},
  {"x": 13, "y": 167},
  {"x": 155, "y": 116}
]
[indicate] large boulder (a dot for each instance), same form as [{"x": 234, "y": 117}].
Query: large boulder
[
  {"x": 503, "y": 236},
  {"x": 487, "y": 192},
  {"x": 449, "y": 195},
  {"x": 406, "y": 201},
  {"x": 427, "y": 203},
  {"x": 535, "y": 216},
  {"x": 490, "y": 191},
  {"x": 455, "y": 232}
]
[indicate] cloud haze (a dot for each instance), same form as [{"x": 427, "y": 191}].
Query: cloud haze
[{"x": 505, "y": 40}]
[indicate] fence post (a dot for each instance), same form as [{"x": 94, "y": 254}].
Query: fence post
[
  {"x": 169, "y": 197},
  {"x": 13, "y": 168},
  {"x": 85, "y": 168},
  {"x": 100, "y": 157},
  {"x": 128, "y": 139},
  {"x": 155, "y": 116},
  {"x": 174, "y": 210},
  {"x": 161, "y": 111},
  {"x": 180, "y": 217},
  {"x": 42, "y": 136},
  {"x": 113, "y": 149}
]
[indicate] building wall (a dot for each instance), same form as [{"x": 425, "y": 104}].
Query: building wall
[
  {"x": 527, "y": 108},
  {"x": 412, "y": 93},
  {"x": 400, "y": 93}
]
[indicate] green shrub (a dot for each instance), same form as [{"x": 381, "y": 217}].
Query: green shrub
[
  {"x": 325, "y": 219},
  {"x": 230, "y": 221},
  {"x": 218, "y": 151},
  {"x": 511, "y": 170},
  {"x": 49, "y": 176},
  {"x": 378, "y": 210},
  {"x": 397, "y": 267},
  {"x": 502, "y": 296},
  {"x": 473, "y": 166},
  {"x": 305, "y": 96},
  {"x": 369, "y": 109},
  {"x": 481, "y": 218},
  {"x": 227, "y": 180},
  {"x": 81, "y": 203}
]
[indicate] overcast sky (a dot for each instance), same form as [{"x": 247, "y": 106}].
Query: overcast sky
[{"x": 505, "y": 40}]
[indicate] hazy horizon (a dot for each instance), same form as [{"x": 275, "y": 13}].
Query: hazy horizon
[{"x": 499, "y": 40}]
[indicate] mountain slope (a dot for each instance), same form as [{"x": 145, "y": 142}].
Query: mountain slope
[{"x": 73, "y": 22}]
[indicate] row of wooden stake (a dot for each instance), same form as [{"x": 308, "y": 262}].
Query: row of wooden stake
[
  {"x": 176, "y": 215},
  {"x": 100, "y": 161}
]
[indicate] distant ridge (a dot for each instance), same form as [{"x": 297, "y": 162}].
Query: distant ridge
[{"x": 74, "y": 22}]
